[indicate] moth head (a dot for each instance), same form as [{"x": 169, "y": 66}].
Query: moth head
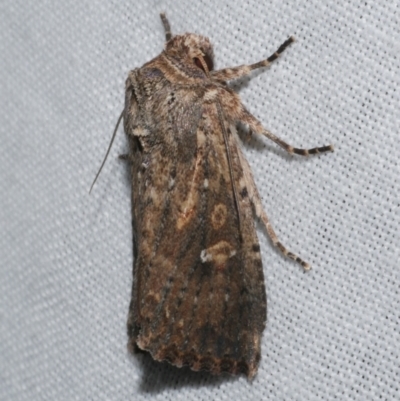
[{"x": 195, "y": 50}]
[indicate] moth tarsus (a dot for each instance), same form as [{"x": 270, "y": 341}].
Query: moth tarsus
[{"x": 198, "y": 295}]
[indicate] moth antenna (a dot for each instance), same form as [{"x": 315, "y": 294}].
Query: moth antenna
[
  {"x": 108, "y": 150},
  {"x": 167, "y": 27}
]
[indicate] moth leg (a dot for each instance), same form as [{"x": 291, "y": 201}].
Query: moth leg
[
  {"x": 256, "y": 126},
  {"x": 167, "y": 27},
  {"x": 271, "y": 233},
  {"x": 228, "y": 74},
  {"x": 248, "y": 188}
]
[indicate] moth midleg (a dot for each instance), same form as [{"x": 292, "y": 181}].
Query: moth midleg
[
  {"x": 167, "y": 26},
  {"x": 256, "y": 126},
  {"x": 228, "y": 74}
]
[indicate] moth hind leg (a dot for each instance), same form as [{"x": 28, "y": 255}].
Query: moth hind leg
[
  {"x": 167, "y": 26},
  {"x": 274, "y": 238},
  {"x": 247, "y": 189}
]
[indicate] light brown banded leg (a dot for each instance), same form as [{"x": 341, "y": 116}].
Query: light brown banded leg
[
  {"x": 167, "y": 27},
  {"x": 228, "y": 74},
  {"x": 256, "y": 126},
  {"x": 279, "y": 244},
  {"x": 260, "y": 213},
  {"x": 247, "y": 187}
]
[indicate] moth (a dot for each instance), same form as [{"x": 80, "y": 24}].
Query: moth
[{"x": 198, "y": 296}]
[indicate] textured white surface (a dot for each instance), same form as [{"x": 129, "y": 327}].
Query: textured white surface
[{"x": 332, "y": 334}]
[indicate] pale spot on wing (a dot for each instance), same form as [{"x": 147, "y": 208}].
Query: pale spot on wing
[
  {"x": 154, "y": 194},
  {"x": 155, "y": 295},
  {"x": 201, "y": 139},
  {"x": 211, "y": 94},
  {"x": 204, "y": 256},
  {"x": 205, "y": 183},
  {"x": 218, "y": 216},
  {"x": 187, "y": 208},
  {"x": 140, "y": 131},
  {"x": 242, "y": 183},
  {"x": 218, "y": 254},
  {"x": 189, "y": 204}
]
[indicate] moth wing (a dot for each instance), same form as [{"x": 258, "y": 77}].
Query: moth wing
[{"x": 199, "y": 296}]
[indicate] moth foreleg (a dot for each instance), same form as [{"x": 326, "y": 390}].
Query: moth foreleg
[
  {"x": 256, "y": 126},
  {"x": 228, "y": 74}
]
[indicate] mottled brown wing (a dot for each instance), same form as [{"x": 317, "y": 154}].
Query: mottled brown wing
[{"x": 198, "y": 294}]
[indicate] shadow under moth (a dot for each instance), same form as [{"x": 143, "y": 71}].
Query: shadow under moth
[{"x": 198, "y": 296}]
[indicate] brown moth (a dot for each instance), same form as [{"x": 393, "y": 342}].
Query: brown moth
[{"x": 198, "y": 296}]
